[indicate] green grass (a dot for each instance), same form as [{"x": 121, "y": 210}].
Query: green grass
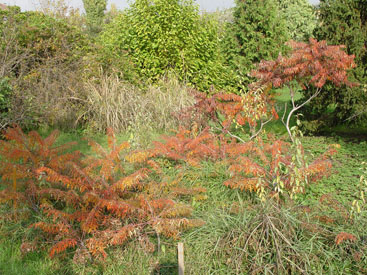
[
  {"x": 344, "y": 178},
  {"x": 282, "y": 95},
  {"x": 13, "y": 261},
  {"x": 282, "y": 98}
]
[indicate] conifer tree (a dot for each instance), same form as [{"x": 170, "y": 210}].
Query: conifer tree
[
  {"x": 94, "y": 14},
  {"x": 257, "y": 32},
  {"x": 300, "y": 17}
]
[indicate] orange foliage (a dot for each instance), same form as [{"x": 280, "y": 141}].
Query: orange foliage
[
  {"x": 109, "y": 205},
  {"x": 189, "y": 148},
  {"x": 309, "y": 63},
  {"x": 254, "y": 108},
  {"x": 99, "y": 201},
  {"x": 62, "y": 246},
  {"x": 344, "y": 236},
  {"x": 22, "y": 156},
  {"x": 271, "y": 166},
  {"x": 252, "y": 165}
]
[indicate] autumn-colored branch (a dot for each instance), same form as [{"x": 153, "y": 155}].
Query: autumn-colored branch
[{"x": 309, "y": 64}]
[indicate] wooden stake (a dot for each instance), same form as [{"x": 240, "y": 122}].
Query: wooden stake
[{"x": 181, "y": 264}]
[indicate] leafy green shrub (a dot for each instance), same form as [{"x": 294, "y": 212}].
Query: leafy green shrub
[
  {"x": 45, "y": 37},
  {"x": 168, "y": 35},
  {"x": 102, "y": 59}
]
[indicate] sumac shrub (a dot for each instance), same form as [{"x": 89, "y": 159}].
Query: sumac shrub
[
  {"x": 309, "y": 65},
  {"x": 90, "y": 203},
  {"x": 267, "y": 166}
]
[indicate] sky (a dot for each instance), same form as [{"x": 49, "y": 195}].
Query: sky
[{"x": 208, "y": 5}]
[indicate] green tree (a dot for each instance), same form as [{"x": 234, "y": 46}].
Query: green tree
[
  {"x": 94, "y": 14},
  {"x": 343, "y": 22},
  {"x": 257, "y": 32},
  {"x": 168, "y": 35},
  {"x": 300, "y": 17}
]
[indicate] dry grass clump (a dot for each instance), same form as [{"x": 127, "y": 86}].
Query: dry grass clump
[
  {"x": 267, "y": 245},
  {"x": 113, "y": 103}
]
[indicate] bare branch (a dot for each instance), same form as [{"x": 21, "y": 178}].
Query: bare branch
[{"x": 261, "y": 127}]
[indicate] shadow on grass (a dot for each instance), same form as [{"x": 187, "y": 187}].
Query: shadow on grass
[{"x": 166, "y": 268}]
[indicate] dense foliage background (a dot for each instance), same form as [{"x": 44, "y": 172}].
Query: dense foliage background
[
  {"x": 152, "y": 40},
  {"x": 342, "y": 22},
  {"x": 205, "y": 115}
]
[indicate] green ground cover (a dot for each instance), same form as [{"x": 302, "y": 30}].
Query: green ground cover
[{"x": 210, "y": 249}]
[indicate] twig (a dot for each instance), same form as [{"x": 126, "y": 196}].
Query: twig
[
  {"x": 261, "y": 127},
  {"x": 355, "y": 115},
  {"x": 232, "y": 135}
]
